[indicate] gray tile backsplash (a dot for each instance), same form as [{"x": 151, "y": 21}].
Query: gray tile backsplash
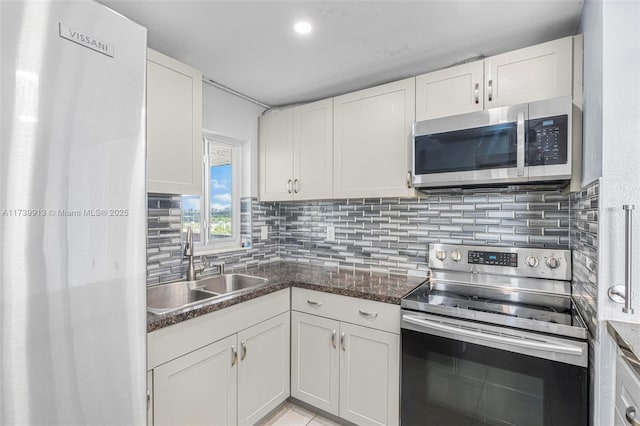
[
  {"x": 165, "y": 260},
  {"x": 584, "y": 243},
  {"x": 388, "y": 235},
  {"x": 391, "y": 235}
]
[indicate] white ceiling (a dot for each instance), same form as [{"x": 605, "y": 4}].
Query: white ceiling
[{"x": 250, "y": 47}]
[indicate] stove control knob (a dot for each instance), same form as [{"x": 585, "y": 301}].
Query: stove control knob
[
  {"x": 456, "y": 256},
  {"x": 441, "y": 254},
  {"x": 532, "y": 261},
  {"x": 553, "y": 263}
]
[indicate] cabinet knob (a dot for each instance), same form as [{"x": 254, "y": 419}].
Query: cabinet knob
[
  {"x": 243, "y": 346},
  {"x": 630, "y": 415},
  {"x": 289, "y": 186},
  {"x": 333, "y": 338},
  {"x": 490, "y": 90},
  {"x": 342, "y": 341}
]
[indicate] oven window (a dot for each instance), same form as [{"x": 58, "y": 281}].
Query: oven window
[
  {"x": 449, "y": 382},
  {"x": 490, "y": 147}
]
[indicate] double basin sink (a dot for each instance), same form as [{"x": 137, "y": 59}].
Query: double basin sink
[{"x": 165, "y": 298}]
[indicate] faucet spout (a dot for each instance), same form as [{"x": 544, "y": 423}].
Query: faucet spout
[{"x": 192, "y": 271}]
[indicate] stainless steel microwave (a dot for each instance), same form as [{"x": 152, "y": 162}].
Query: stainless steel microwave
[{"x": 520, "y": 144}]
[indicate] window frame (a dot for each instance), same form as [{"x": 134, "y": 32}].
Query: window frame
[{"x": 209, "y": 245}]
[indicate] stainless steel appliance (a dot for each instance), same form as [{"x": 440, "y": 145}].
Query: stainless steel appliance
[
  {"x": 493, "y": 338},
  {"x": 535, "y": 142},
  {"x": 72, "y": 215}
]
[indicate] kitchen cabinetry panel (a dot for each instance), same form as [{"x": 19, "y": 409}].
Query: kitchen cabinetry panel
[
  {"x": 276, "y": 155},
  {"x": 451, "y": 91},
  {"x": 369, "y": 376},
  {"x": 313, "y": 150},
  {"x": 198, "y": 388},
  {"x": 531, "y": 74},
  {"x": 627, "y": 393},
  {"x": 174, "y": 126},
  {"x": 371, "y": 141},
  {"x": 315, "y": 361},
  {"x": 263, "y": 368}
]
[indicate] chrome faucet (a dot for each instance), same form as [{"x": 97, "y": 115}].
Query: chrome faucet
[{"x": 192, "y": 271}]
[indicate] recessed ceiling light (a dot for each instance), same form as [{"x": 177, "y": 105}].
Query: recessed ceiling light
[{"x": 302, "y": 27}]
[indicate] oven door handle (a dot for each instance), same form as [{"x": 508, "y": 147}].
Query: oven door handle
[{"x": 529, "y": 344}]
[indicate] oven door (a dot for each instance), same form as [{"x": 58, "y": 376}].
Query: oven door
[
  {"x": 486, "y": 147},
  {"x": 465, "y": 373}
]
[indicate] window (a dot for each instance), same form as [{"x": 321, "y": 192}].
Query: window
[{"x": 215, "y": 217}]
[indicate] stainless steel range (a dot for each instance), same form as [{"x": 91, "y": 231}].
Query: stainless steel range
[{"x": 493, "y": 337}]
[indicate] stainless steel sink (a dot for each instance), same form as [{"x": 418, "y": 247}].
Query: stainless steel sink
[
  {"x": 229, "y": 283},
  {"x": 165, "y": 298}
]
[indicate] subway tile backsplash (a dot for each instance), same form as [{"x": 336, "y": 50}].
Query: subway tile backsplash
[
  {"x": 390, "y": 235},
  {"x": 387, "y": 235},
  {"x": 584, "y": 243}
]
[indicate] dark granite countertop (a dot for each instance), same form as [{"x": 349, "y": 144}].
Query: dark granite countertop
[
  {"x": 627, "y": 337},
  {"x": 373, "y": 286}
]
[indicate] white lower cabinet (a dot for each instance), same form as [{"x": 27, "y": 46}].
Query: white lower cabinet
[
  {"x": 229, "y": 367},
  {"x": 263, "y": 368},
  {"x": 315, "y": 361},
  {"x": 198, "y": 388},
  {"x": 349, "y": 370},
  {"x": 369, "y": 375},
  {"x": 627, "y": 404}
]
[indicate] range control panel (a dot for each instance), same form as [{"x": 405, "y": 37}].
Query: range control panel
[
  {"x": 493, "y": 258},
  {"x": 513, "y": 261}
]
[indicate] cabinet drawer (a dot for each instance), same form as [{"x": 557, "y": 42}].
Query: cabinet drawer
[{"x": 368, "y": 313}]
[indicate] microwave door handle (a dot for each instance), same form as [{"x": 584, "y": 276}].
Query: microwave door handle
[{"x": 520, "y": 146}]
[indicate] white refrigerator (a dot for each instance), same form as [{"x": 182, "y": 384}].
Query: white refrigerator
[{"x": 72, "y": 215}]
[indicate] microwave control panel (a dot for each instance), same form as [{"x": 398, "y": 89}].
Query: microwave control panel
[{"x": 547, "y": 141}]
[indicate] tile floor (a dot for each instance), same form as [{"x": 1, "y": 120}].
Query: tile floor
[{"x": 292, "y": 415}]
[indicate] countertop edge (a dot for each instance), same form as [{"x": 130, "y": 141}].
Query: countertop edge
[{"x": 626, "y": 348}]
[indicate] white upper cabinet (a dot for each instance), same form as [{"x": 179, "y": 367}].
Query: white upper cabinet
[
  {"x": 296, "y": 152},
  {"x": 313, "y": 150},
  {"x": 531, "y": 74},
  {"x": 276, "y": 155},
  {"x": 450, "y": 91},
  {"x": 174, "y": 126},
  {"x": 371, "y": 141}
]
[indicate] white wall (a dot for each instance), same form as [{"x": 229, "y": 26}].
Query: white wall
[{"x": 232, "y": 116}]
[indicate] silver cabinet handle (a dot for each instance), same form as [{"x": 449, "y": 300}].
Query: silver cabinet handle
[
  {"x": 333, "y": 339},
  {"x": 628, "y": 256},
  {"x": 148, "y": 399},
  {"x": 490, "y": 90},
  {"x": 520, "y": 146},
  {"x": 313, "y": 302},
  {"x": 296, "y": 186},
  {"x": 409, "y": 179},
  {"x": 630, "y": 415},
  {"x": 368, "y": 314},
  {"x": 234, "y": 355},
  {"x": 289, "y": 186},
  {"x": 477, "y": 92},
  {"x": 342, "y": 341},
  {"x": 243, "y": 346}
]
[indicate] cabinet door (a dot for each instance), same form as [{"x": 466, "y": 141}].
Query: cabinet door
[
  {"x": 263, "y": 369},
  {"x": 276, "y": 155},
  {"x": 174, "y": 126},
  {"x": 315, "y": 361},
  {"x": 313, "y": 148},
  {"x": 531, "y": 74},
  {"x": 369, "y": 375},
  {"x": 627, "y": 393},
  {"x": 198, "y": 388},
  {"x": 455, "y": 90},
  {"x": 372, "y": 141}
]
